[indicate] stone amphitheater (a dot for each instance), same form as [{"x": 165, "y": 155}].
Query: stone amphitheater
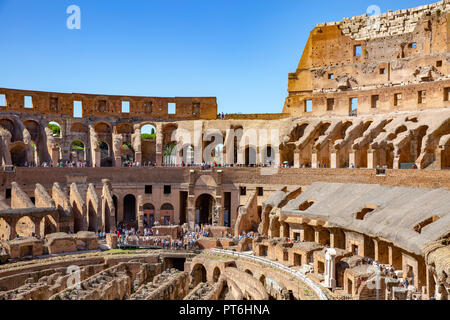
[{"x": 344, "y": 195}]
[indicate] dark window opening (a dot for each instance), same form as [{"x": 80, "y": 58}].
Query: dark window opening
[
  {"x": 243, "y": 191},
  {"x": 8, "y": 193},
  {"x": 330, "y": 104},
  {"x": 260, "y": 192},
  {"x": 148, "y": 189},
  {"x": 375, "y": 99},
  {"x": 167, "y": 189},
  {"x": 439, "y": 63}
]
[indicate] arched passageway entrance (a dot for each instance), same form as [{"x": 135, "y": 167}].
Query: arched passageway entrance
[
  {"x": 129, "y": 209},
  {"x": 149, "y": 215},
  {"x": 203, "y": 209}
]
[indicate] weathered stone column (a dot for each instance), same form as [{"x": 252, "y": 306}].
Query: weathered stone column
[
  {"x": 229, "y": 147},
  {"x": 330, "y": 261},
  {"x": 140, "y": 214},
  {"x": 352, "y": 159},
  {"x": 334, "y": 159},
  {"x": 371, "y": 159},
  {"x": 159, "y": 146},
  {"x": 314, "y": 163},
  {"x": 296, "y": 158}
]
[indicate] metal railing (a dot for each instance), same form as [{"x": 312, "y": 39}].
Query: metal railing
[{"x": 314, "y": 286}]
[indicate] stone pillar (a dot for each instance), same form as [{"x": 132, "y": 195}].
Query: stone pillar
[
  {"x": 314, "y": 163},
  {"x": 296, "y": 158},
  {"x": 38, "y": 232},
  {"x": 12, "y": 222},
  {"x": 229, "y": 148},
  {"x": 352, "y": 159},
  {"x": 179, "y": 154},
  {"x": 198, "y": 142},
  {"x": 334, "y": 159},
  {"x": 140, "y": 214},
  {"x": 396, "y": 163},
  {"x": 330, "y": 260},
  {"x": 55, "y": 156},
  {"x": 371, "y": 159},
  {"x": 159, "y": 146}
]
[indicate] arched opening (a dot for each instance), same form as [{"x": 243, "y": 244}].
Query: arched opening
[
  {"x": 18, "y": 154},
  {"x": 105, "y": 155},
  {"x": 188, "y": 155},
  {"x": 198, "y": 275},
  {"x": 166, "y": 214},
  {"x": 249, "y": 272},
  {"x": 262, "y": 279},
  {"x": 149, "y": 215},
  {"x": 250, "y": 156},
  {"x": 25, "y": 227},
  {"x": 129, "y": 209},
  {"x": 268, "y": 155},
  {"x": 127, "y": 152},
  {"x": 218, "y": 154},
  {"x": 287, "y": 155},
  {"x": 78, "y": 127},
  {"x": 148, "y": 146},
  {"x": 170, "y": 154},
  {"x": 5, "y": 230},
  {"x": 107, "y": 218},
  {"x": 92, "y": 218},
  {"x": 203, "y": 209},
  {"x": 77, "y": 151},
  {"x": 48, "y": 225},
  {"x": 117, "y": 208},
  {"x": 216, "y": 274},
  {"x": 77, "y": 218},
  {"x": 55, "y": 128}
]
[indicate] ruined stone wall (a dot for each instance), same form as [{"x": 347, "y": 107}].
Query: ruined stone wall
[
  {"x": 392, "y": 61},
  {"x": 61, "y": 104}
]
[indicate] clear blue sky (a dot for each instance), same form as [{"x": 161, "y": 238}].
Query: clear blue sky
[{"x": 240, "y": 51}]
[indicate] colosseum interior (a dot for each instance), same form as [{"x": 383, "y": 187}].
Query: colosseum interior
[{"x": 345, "y": 195}]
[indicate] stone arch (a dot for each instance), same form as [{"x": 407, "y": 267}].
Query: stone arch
[
  {"x": 149, "y": 215},
  {"x": 78, "y": 219},
  {"x": 129, "y": 209},
  {"x": 56, "y": 128},
  {"x": 25, "y": 227},
  {"x": 92, "y": 218},
  {"x": 216, "y": 274},
  {"x": 251, "y": 155},
  {"x": 105, "y": 154},
  {"x": 198, "y": 275},
  {"x": 148, "y": 146},
  {"x": 248, "y": 271},
  {"x": 10, "y": 126},
  {"x": 79, "y": 127},
  {"x": 19, "y": 154},
  {"x": 262, "y": 279},
  {"x": 77, "y": 151},
  {"x": 268, "y": 155},
  {"x": 48, "y": 225},
  {"x": 5, "y": 230},
  {"x": 115, "y": 201},
  {"x": 167, "y": 214},
  {"x": 103, "y": 128},
  {"x": 203, "y": 209},
  {"x": 124, "y": 128}
]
